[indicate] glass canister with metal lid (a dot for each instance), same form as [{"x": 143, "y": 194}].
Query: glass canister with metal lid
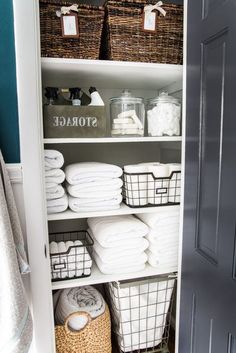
[
  {"x": 163, "y": 115},
  {"x": 127, "y": 115}
]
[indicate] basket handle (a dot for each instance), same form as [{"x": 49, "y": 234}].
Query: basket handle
[{"x": 77, "y": 314}]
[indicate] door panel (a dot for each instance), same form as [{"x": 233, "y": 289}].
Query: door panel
[{"x": 208, "y": 289}]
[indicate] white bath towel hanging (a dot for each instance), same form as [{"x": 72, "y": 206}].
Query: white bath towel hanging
[{"x": 15, "y": 317}]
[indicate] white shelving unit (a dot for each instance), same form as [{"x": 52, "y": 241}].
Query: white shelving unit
[
  {"x": 97, "y": 277},
  {"x": 123, "y": 210}
]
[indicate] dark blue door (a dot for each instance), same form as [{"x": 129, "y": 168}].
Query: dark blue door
[{"x": 208, "y": 296}]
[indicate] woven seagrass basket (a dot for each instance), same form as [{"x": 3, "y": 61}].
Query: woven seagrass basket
[
  {"x": 125, "y": 39},
  {"x": 95, "y": 337},
  {"x": 53, "y": 44}
]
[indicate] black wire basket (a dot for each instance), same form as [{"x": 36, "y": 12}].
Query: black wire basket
[
  {"x": 75, "y": 261},
  {"x": 141, "y": 311},
  {"x": 146, "y": 190}
]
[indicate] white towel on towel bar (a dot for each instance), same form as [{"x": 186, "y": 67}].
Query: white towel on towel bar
[
  {"x": 84, "y": 205},
  {"x": 55, "y": 192},
  {"x": 113, "y": 231},
  {"x": 94, "y": 186},
  {"x": 57, "y": 205},
  {"x": 53, "y": 159},
  {"x": 86, "y": 171},
  {"x": 56, "y": 176},
  {"x": 135, "y": 266}
]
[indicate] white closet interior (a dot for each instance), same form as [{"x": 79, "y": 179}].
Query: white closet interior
[{"x": 145, "y": 80}]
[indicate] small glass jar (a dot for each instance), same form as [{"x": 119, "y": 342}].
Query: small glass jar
[
  {"x": 163, "y": 116},
  {"x": 127, "y": 115}
]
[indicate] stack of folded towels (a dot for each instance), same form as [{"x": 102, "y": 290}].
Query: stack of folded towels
[
  {"x": 119, "y": 243},
  {"x": 163, "y": 237},
  {"x": 57, "y": 200},
  {"x": 94, "y": 186}
]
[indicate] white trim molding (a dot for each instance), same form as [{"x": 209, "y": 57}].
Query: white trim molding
[{"x": 15, "y": 173}]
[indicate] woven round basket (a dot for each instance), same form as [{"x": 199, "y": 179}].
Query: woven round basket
[
  {"x": 90, "y": 24},
  {"x": 125, "y": 39},
  {"x": 95, "y": 337}
]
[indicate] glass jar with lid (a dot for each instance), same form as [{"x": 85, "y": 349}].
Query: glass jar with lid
[
  {"x": 127, "y": 115},
  {"x": 163, "y": 115}
]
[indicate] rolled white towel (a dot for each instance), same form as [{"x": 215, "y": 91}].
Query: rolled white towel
[
  {"x": 162, "y": 217},
  {"x": 53, "y": 159},
  {"x": 53, "y": 248},
  {"x": 55, "y": 192},
  {"x": 90, "y": 205},
  {"x": 85, "y": 172},
  {"x": 54, "y": 176},
  {"x": 112, "y": 231},
  {"x": 57, "y": 205},
  {"x": 136, "y": 266},
  {"x": 94, "y": 186}
]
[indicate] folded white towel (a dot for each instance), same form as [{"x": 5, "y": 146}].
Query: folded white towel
[
  {"x": 54, "y": 176},
  {"x": 165, "y": 260},
  {"x": 96, "y": 196},
  {"x": 72, "y": 300},
  {"x": 162, "y": 217},
  {"x": 136, "y": 266},
  {"x": 132, "y": 247},
  {"x": 55, "y": 192},
  {"x": 57, "y": 205},
  {"x": 86, "y": 171},
  {"x": 119, "y": 261},
  {"x": 53, "y": 159},
  {"x": 84, "y": 205},
  {"x": 164, "y": 250},
  {"x": 113, "y": 231},
  {"x": 94, "y": 186},
  {"x": 163, "y": 241},
  {"x": 164, "y": 230}
]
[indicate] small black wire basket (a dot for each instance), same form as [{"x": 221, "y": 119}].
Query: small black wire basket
[
  {"x": 70, "y": 255},
  {"x": 146, "y": 190},
  {"x": 141, "y": 312}
]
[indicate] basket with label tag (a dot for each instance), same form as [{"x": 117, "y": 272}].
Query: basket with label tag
[
  {"x": 144, "y": 31},
  {"x": 70, "y": 30}
]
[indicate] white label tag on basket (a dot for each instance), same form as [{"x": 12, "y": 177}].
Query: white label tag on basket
[
  {"x": 149, "y": 21},
  {"x": 70, "y": 28},
  {"x": 160, "y": 191}
]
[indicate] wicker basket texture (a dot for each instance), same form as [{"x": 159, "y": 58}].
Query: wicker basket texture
[
  {"x": 53, "y": 44},
  {"x": 124, "y": 38}
]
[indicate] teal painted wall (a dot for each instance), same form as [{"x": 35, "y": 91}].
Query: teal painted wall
[{"x": 9, "y": 131}]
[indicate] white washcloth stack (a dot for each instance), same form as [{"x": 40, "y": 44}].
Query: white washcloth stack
[
  {"x": 94, "y": 186},
  {"x": 57, "y": 200},
  {"x": 69, "y": 259},
  {"x": 119, "y": 243},
  {"x": 163, "y": 238},
  {"x": 142, "y": 186}
]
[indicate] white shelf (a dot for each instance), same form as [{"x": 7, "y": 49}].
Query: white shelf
[
  {"x": 112, "y": 139},
  {"x": 123, "y": 210},
  {"x": 97, "y": 277},
  {"x": 109, "y": 74}
]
